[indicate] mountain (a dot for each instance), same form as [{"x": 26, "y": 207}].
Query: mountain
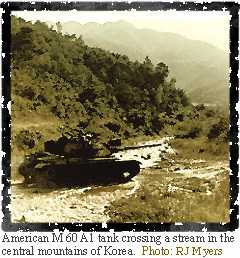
[
  {"x": 90, "y": 90},
  {"x": 200, "y": 68}
]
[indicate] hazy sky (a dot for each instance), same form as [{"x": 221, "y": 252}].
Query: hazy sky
[{"x": 209, "y": 26}]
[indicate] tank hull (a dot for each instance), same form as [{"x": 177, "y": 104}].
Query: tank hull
[{"x": 62, "y": 171}]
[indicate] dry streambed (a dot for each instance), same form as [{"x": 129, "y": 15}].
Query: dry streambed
[{"x": 91, "y": 204}]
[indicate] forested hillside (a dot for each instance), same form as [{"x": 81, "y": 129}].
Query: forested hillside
[
  {"x": 90, "y": 89},
  {"x": 199, "y": 68}
]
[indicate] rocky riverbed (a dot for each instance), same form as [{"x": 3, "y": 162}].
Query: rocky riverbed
[{"x": 160, "y": 171}]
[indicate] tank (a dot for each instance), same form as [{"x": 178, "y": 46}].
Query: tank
[{"x": 47, "y": 168}]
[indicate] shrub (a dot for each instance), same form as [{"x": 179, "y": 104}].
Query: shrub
[
  {"x": 200, "y": 107},
  {"x": 27, "y": 139},
  {"x": 219, "y": 131},
  {"x": 161, "y": 120},
  {"x": 210, "y": 113},
  {"x": 188, "y": 129},
  {"x": 113, "y": 126}
]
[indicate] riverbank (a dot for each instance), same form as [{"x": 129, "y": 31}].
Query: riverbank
[{"x": 182, "y": 187}]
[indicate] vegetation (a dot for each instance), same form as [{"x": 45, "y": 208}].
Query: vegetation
[
  {"x": 201, "y": 146},
  {"x": 90, "y": 90},
  {"x": 98, "y": 93},
  {"x": 27, "y": 139},
  {"x": 166, "y": 197}
]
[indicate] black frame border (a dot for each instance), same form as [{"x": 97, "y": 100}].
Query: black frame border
[{"x": 231, "y": 7}]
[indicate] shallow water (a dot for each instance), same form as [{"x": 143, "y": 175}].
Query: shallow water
[{"x": 147, "y": 156}]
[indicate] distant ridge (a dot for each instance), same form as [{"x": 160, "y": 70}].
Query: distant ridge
[{"x": 199, "y": 67}]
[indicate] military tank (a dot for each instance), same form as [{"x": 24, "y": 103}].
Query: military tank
[{"x": 47, "y": 168}]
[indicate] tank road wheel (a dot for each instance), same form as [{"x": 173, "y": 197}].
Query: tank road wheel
[
  {"x": 51, "y": 176},
  {"x": 45, "y": 177},
  {"x": 130, "y": 172},
  {"x": 125, "y": 176}
]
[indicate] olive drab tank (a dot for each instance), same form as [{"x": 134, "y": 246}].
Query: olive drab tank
[
  {"x": 65, "y": 162},
  {"x": 45, "y": 168}
]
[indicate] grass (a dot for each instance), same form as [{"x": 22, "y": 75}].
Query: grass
[
  {"x": 201, "y": 148},
  {"x": 156, "y": 202},
  {"x": 167, "y": 196}
]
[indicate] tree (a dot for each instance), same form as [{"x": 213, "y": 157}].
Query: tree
[{"x": 161, "y": 72}]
